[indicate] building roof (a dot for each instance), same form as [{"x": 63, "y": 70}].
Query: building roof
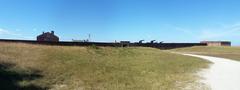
[{"x": 48, "y": 34}]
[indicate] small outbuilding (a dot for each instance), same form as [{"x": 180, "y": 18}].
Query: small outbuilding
[
  {"x": 125, "y": 43},
  {"x": 217, "y": 43},
  {"x": 48, "y": 37}
]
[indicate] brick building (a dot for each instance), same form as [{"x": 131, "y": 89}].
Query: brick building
[
  {"x": 48, "y": 36},
  {"x": 217, "y": 43}
]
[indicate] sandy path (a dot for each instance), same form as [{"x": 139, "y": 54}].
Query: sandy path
[{"x": 223, "y": 74}]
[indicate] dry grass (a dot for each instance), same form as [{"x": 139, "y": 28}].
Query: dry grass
[{"x": 104, "y": 68}]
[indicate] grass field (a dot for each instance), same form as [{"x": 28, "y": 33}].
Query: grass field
[
  {"x": 37, "y": 67},
  {"x": 225, "y": 52}
]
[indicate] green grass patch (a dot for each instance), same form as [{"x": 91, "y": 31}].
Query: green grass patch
[{"x": 97, "y": 68}]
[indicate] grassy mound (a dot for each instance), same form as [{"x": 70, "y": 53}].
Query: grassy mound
[
  {"x": 24, "y": 66},
  {"x": 225, "y": 52}
]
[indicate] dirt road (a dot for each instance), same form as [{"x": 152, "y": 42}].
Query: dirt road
[{"x": 223, "y": 74}]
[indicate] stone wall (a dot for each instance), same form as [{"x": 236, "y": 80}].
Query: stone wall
[{"x": 105, "y": 44}]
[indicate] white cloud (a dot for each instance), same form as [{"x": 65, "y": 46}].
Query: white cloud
[
  {"x": 221, "y": 32},
  {"x": 186, "y": 31},
  {"x": 218, "y": 33},
  {"x": 35, "y": 29},
  {"x": 3, "y": 31},
  {"x": 181, "y": 30},
  {"x": 8, "y": 32},
  {"x": 15, "y": 34}
]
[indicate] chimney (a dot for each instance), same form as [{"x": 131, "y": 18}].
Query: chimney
[{"x": 52, "y": 32}]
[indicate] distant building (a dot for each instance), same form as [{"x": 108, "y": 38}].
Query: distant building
[
  {"x": 48, "y": 36},
  {"x": 80, "y": 40},
  {"x": 125, "y": 43},
  {"x": 217, "y": 43}
]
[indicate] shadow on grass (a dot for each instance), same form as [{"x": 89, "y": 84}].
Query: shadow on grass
[{"x": 9, "y": 79}]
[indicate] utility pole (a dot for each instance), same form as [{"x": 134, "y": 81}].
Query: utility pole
[{"x": 89, "y": 37}]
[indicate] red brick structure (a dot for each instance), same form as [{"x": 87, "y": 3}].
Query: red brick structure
[
  {"x": 217, "y": 43},
  {"x": 48, "y": 37}
]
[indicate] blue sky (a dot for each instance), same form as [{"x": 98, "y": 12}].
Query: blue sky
[{"x": 110, "y": 20}]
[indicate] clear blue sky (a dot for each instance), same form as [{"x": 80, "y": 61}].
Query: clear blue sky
[{"x": 109, "y": 20}]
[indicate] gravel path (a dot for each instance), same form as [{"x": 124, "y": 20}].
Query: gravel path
[{"x": 223, "y": 74}]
